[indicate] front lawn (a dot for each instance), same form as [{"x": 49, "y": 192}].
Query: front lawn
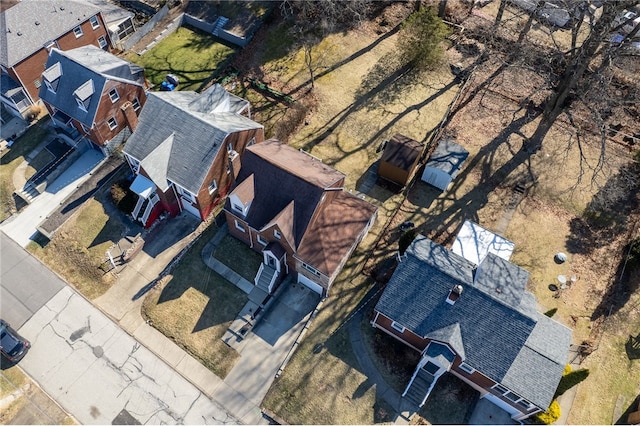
[
  {"x": 194, "y": 307},
  {"x": 11, "y": 159},
  {"x": 238, "y": 256},
  {"x": 193, "y": 56}
]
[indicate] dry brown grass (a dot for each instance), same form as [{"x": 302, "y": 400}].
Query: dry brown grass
[{"x": 78, "y": 249}]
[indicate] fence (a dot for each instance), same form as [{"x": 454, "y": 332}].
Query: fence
[{"x": 145, "y": 29}]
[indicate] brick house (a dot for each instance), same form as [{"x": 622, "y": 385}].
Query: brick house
[
  {"x": 185, "y": 151},
  {"x": 294, "y": 210},
  {"x": 475, "y": 321},
  {"x": 93, "y": 95},
  {"x": 29, "y": 30}
]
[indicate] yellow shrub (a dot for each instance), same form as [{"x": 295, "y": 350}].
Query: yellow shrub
[
  {"x": 567, "y": 370},
  {"x": 551, "y": 415}
]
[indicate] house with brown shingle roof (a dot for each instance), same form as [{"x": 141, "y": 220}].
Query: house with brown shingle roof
[{"x": 294, "y": 210}]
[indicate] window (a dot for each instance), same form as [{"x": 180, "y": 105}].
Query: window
[
  {"x": 136, "y": 104},
  {"x": 86, "y": 129},
  {"x": 82, "y": 104},
  {"x": 228, "y": 168},
  {"x": 94, "y": 22},
  {"x": 135, "y": 164},
  {"x": 501, "y": 389},
  {"x": 37, "y": 83},
  {"x": 112, "y": 123},
  {"x": 186, "y": 194},
  {"x": 239, "y": 226},
  {"x": 262, "y": 240},
  {"x": 229, "y": 148},
  {"x": 252, "y": 141},
  {"x": 213, "y": 186},
  {"x": 311, "y": 269},
  {"x": 113, "y": 95},
  {"x": 78, "y": 32},
  {"x": 466, "y": 368},
  {"x": 397, "y": 327},
  {"x": 512, "y": 396},
  {"x": 525, "y": 404},
  {"x": 102, "y": 42},
  {"x": 238, "y": 208},
  {"x": 277, "y": 234}
]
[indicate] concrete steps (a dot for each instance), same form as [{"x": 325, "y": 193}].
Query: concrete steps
[
  {"x": 265, "y": 278},
  {"x": 419, "y": 387},
  {"x": 28, "y": 193},
  {"x": 220, "y": 23}
]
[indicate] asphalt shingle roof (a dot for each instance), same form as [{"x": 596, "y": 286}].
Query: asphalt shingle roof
[
  {"x": 500, "y": 332},
  {"x": 30, "y": 24},
  {"x": 198, "y": 136},
  {"x": 84, "y": 71},
  {"x": 401, "y": 151}
]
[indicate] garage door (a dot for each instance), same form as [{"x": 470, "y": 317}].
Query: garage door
[
  {"x": 502, "y": 404},
  {"x": 312, "y": 285},
  {"x": 188, "y": 207}
]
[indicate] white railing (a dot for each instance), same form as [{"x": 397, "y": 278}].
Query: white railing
[
  {"x": 136, "y": 210},
  {"x": 257, "y": 277},
  {"x": 153, "y": 200},
  {"x": 273, "y": 280}
]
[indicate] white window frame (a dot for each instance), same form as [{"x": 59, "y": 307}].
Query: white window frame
[
  {"x": 512, "y": 396},
  {"x": 261, "y": 240},
  {"x": 115, "y": 125},
  {"x": 188, "y": 196},
  {"x": 102, "y": 42},
  {"x": 37, "y": 83},
  {"x": 136, "y": 104},
  {"x": 466, "y": 368},
  {"x": 49, "y": 86},
  {"x": 77, "y": 31},
  {"x": 228, "y": 169},
  {"x": 239, "y": 227},
  {"x": 81, "y": 104},
  {"x": 213, "y": 186},
  {"x": 277, "y": 235},
  {"x": 397, "y": 327},
  {"x": 311, "y": 269},
  {"x": 251, "y": 141},
  {"x": 238, "y": 208},
  {"x": 95, "y": 22},
  {"x": 499, "y": 388},
  {"x": 113, "y": 93},
  {"x": 87, "y": 130}
]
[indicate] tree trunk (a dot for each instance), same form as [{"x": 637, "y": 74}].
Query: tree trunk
[
  {"x": 555, "y": 103},
  {"x": 503, "y": 4},
  {"x": 527, "y": 26},
  {"x": 308, "y": 60}
]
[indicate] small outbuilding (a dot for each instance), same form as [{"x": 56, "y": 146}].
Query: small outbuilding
[
  {"x": 444, "y": 164},
  {"x": 400, "y": 159}
]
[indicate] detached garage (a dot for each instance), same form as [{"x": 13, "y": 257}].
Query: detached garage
[{"x": 444, "y": 164}]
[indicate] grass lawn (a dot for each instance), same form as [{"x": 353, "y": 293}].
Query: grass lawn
[
  {"x": 11, "y": 159},
  {"x": 194, "y": 306},
  {"x": 192, "y": 55},
  {"x": 239, "y": 257},
  {"x": 78, "y": 249}
]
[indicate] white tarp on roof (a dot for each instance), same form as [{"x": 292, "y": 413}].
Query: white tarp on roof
[
  {"x": 473, "y": 242},
  {"x": 142, "y": 186}
]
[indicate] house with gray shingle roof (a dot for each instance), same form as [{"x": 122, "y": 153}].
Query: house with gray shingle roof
[
  {"x": 186, "y": 149},
  {"x": 93, "y": 95},
  {"x": 294, "y": 210},
  {"x": 477, "y": 322},
  {"x": 29, "y": 29}
]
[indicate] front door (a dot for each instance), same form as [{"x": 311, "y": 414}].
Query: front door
[{"x": 272, "y": 262}]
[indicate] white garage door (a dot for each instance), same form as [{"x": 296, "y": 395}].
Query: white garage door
[
  {"x": 187, "y": 206},
  {"x": 312, "y": 285},
  {"x": 500, "y": 403}
]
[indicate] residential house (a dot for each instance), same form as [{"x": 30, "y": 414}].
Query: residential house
[
  {"x": 475, "y": 321},
  {"x": 29, "y": 30},
  {"x": 185, "y": 151},
  {"x": 119, "y": 21},
  {"x": 93, "y": 95},
  {"x": 400, "y": 159},
  {"x": 294, "y": 210}
]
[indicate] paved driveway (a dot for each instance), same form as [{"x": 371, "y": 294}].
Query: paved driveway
[
  {"x": 101, "y": 374},
  {"x": 25, "y": 283}
]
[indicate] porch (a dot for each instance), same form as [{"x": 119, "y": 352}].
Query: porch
[{"x": 147, "y": 200}]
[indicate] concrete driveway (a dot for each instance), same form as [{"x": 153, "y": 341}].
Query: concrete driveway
[{"x": 102, "y": 375}]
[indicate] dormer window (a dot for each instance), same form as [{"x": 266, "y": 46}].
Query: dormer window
[
  {"x": 94, "y": 22},
  {"x": 113, "y": 95},
  {"x": 237, "y": 207},
  {"x": 83, "y": 95},
  {"x": 51, "y": 77},
  {"x": 78, "y": 31},
  {"x": 277, "y": 234}
]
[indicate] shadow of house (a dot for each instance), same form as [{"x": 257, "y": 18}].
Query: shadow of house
[{"x": 631, "y": 415}]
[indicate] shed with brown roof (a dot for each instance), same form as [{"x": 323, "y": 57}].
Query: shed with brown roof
[{"x": 400, "y": 159}]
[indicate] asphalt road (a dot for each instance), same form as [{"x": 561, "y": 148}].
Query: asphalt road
[
  {"x": 26, "y": 285},
  {"x": 85, "y": 361}
]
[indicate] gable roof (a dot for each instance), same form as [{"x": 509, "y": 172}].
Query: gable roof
[
  {"x": 28, "y": 25},
  {"x": 197, "y": 135},
  {"x": 473, "y": 242},
  {"x": 501, "y": 332},
  {"x": 84, "y": 72},
  {"x": 401, "y": 151},
  {"x": 448, "y": 157},
  {"x": 283, "y": 175}
]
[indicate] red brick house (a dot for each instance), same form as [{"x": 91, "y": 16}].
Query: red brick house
[
  {"x": 185, "y": 151},
  {"x": 93, "y": 95},
  {"x": 475, "y": 321},
  {"x": 29, "y": 30},
  {"x": 294, "y": 210}
]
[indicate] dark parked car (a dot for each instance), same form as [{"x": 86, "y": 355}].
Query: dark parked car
[{"x": 12, "y": 345}]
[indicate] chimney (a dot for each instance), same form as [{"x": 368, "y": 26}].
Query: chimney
[
  {"x": 454, "y": 294},
  {"x": 130, "y": 115}
]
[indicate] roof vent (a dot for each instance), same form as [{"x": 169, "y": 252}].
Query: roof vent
[
  {"x": 454, "y": 294},
  {"x": 37, "y": 22},
  {"x": 19, "y": 33}
]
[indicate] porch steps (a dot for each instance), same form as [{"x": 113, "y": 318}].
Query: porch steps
[
  {"x": 419, "y": 387},
  {"x": 265, "y": 278},
  {"x": 28, "y": 193},
  {"x": 220, "y": 23}
]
